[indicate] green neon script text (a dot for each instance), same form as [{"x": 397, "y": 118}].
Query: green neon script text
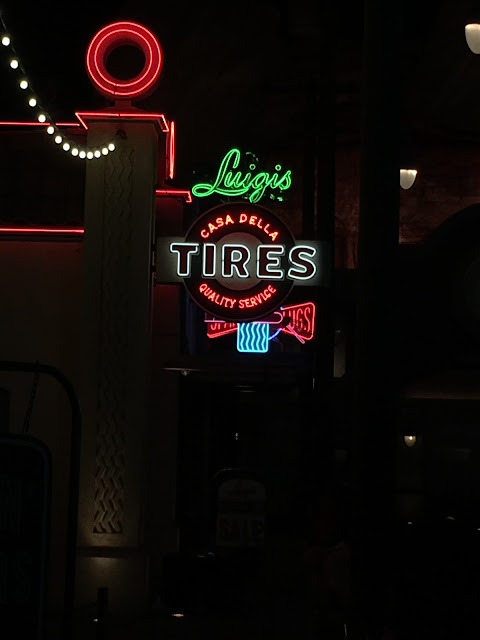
[{"x": 235, "y": 183}]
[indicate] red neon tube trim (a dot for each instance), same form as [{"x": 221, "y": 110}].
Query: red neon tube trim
[
  {"x": 174, "y": 192},
  {"x": 75, "y": 231},
  {"x": 289, "y": 329},
  {"x": 171, "y": 151},
  {"x": 137, "y": 80},
  {"x": 123, "y": 114},
  {"x": 117, "y": 34}
]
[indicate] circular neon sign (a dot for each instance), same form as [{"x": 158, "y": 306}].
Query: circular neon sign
[
  {"x": 117, "y": 35},
  {"x": 235, "y": 261}
]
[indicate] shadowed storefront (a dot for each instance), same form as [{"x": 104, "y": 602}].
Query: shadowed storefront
[{"x": 259, "y": 345}]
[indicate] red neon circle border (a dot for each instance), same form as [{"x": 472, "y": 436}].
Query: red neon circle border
[{"x": 115, "y": 35}]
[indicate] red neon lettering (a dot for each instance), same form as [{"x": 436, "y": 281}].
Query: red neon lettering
[
  {"x": 217, "y": 329},
  {"x": 301, "y": 320},
  {"x": 260, "y": 298},
  {"x": 219, "y": 222},
  {"x": 216, "y": 298},
  {"x": 257, "y": 222}
]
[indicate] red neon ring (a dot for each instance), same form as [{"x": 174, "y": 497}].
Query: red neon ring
[{"x": 113, "y": 36}]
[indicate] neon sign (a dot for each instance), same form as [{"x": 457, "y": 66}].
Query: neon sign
[
  {"x": 231, "y": 181},
  {"x": 252, "y": 337},
  {"x": 239, "y": 262},
  {"x": 116, "y": 35},
  {"x": 300, "y": 320},
  {"x": 297, "y": 320}
]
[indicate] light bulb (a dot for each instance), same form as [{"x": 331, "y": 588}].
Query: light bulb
[
  {"x": 58, "y": 139},
  {"x": 32, "y": 102},
  {"x": 5, "y": 41},
  {"x": 50, "y": 130},
  {"x": 97, "y": 153},
  {"x": 105, "y": 151},
  {"x": 111, "y": 147},
  {"x": 42, "y": 117},
  {"x": 407, "y": 177},
  {"x": 82, "y": 154},
  {"x": 410, "y": 440},
  {"x": 23, "y": 84},
  {"x": 472, "y": 36},
  {"x": 89, "y": 155},
  {"x": 14, "y": 63},
  {"x": 66, "y": 146},
  {"x": 74, "y": 151}
]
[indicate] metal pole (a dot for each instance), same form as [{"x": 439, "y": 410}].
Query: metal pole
[
  {"x": 318, "y": 221},
  {"x": 375, "y": 385},
  {"x": 74, "y": 481}
]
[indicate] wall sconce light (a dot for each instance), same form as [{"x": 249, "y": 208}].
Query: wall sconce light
[
  {"x": 472, "y": 36},
  {"x": 410, "y": 440},
  {"x": 407, "y": 177}
]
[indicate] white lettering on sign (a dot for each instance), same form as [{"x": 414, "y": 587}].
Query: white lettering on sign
[
  {"x": 268, "y": 261},
  {"x": 302, "y": 257},
  {"x": 237, "y": 259},
  {"x": 184, "y": 250}
]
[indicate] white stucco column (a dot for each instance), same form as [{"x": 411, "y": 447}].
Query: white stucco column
[{"x": 119, "y": 226}]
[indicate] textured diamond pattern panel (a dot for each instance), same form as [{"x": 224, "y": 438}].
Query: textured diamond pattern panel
[{"x": 112, "y": 399}]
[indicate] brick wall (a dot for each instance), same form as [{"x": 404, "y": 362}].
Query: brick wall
[{"x": 448, "y": 180}]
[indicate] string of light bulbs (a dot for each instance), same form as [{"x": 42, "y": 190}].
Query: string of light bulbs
[{"x": 42, "y": 115}]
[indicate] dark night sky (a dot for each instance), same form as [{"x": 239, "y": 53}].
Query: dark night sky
[
  {"x": 207, "y": 38},
  {"x": 233, "y": 73},
  {"x": 221, "y": 63}
]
